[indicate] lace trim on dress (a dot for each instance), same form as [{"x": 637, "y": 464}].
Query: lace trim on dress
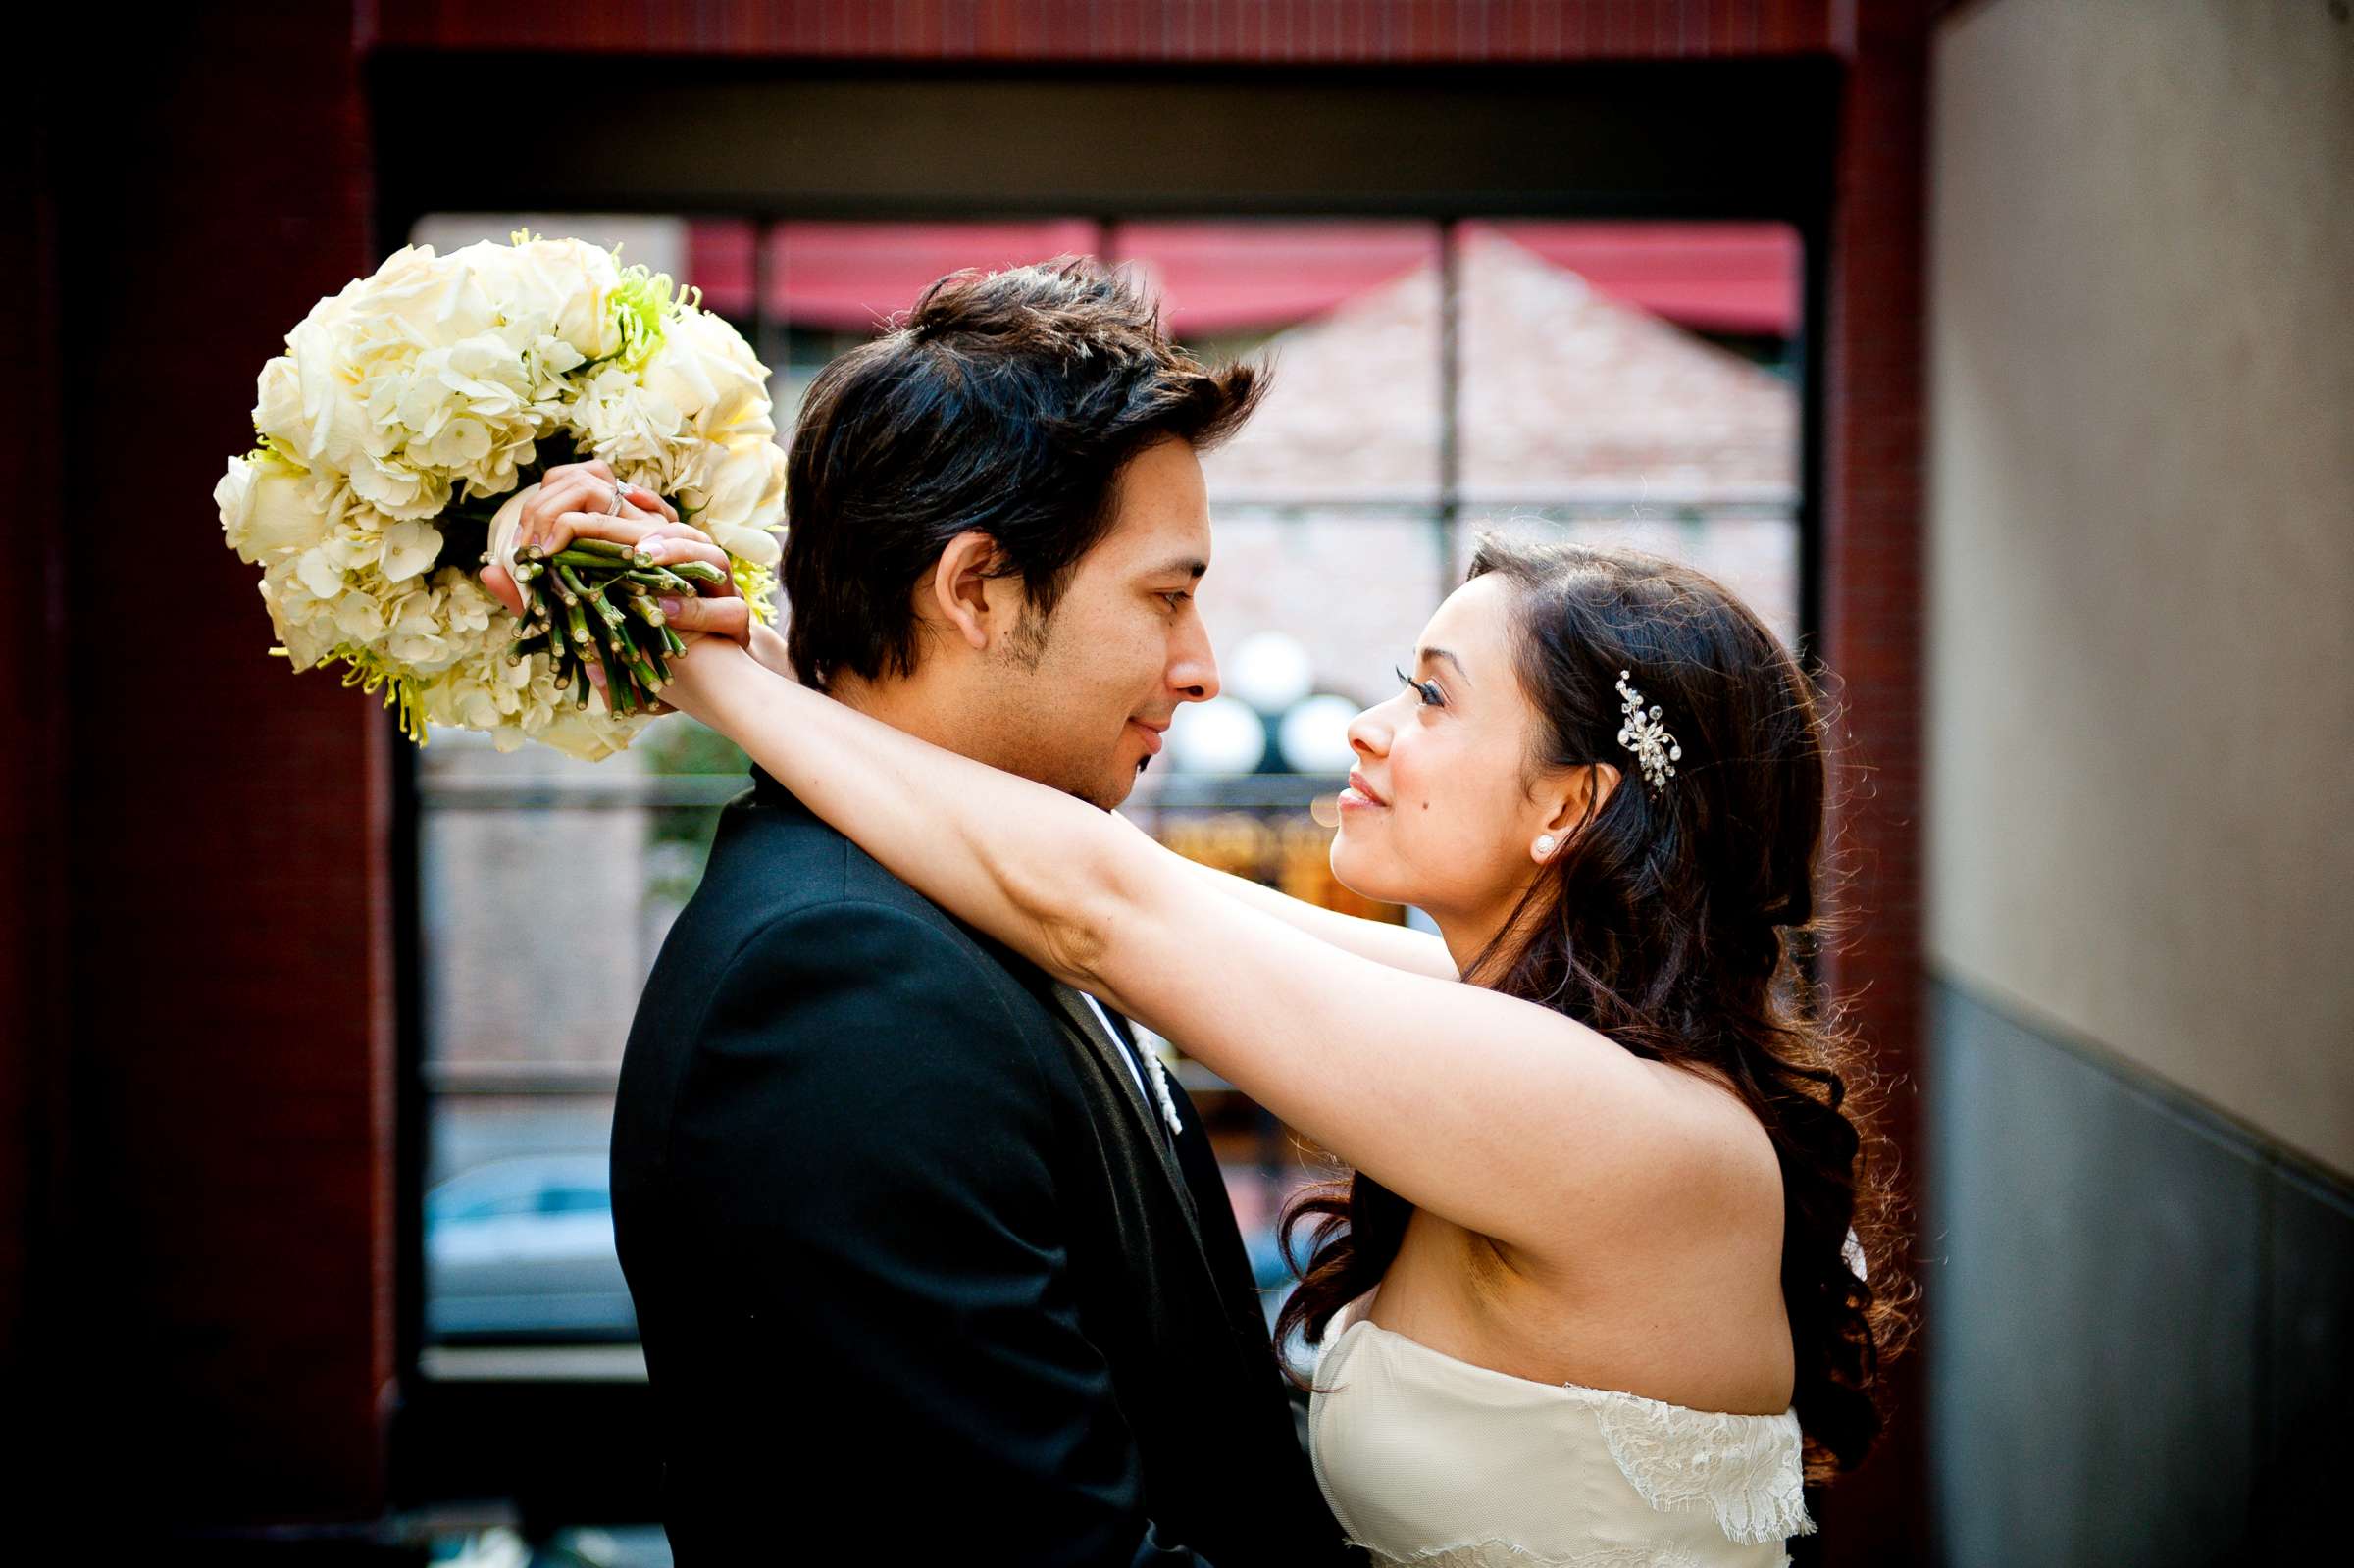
[
  {"x": 1749, "y": 1469},
  {"x": 1498, "y": 1553}
]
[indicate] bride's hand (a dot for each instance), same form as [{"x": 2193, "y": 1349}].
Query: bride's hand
[
  {"x": 711, "y": 660},
  {"x": 573, "y": 501}
]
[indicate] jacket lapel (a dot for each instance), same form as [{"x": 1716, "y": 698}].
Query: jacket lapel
[{"x": 1146, "y": 1118}]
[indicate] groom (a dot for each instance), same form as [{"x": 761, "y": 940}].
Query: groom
[{"x": 930, "y": 1263}]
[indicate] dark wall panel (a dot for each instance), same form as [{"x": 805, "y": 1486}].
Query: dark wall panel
[
  {"x": 2119, "y": 1276},
  {"x": 2304, "y": 1446}
]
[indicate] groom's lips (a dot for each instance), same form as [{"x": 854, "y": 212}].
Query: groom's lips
[{"x": 1152, "y": 733}]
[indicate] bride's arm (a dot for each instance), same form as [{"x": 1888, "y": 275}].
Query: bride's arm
[
  {"x": 1399, "y": 946},
  {"x": 1500, "y": 1115}
]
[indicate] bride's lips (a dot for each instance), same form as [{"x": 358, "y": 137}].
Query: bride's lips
[
  {"x": 1152, "y": 733},
  {"x": 1360, "y": 794}
]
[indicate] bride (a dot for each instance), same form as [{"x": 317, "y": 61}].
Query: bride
[{"x": 1592, "y": 1295}]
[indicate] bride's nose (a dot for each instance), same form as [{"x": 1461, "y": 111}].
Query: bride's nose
[{"x": 1368, "y": 736}]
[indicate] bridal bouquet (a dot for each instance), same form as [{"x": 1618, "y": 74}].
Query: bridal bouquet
[{"x": 413, "y": 413}]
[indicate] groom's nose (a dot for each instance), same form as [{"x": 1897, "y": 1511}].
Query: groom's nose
[{"x": 1194, "y": 668}]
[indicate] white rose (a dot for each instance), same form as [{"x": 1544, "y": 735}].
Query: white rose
[
  {"x": 740, "y": 491},
  {"x": 561, "y": 282},
  {"x": 432, "y": 302},
  {"x": 732, "y": 344},
  {"x": 702, "y": 364},
  {"x": 278, "y": 401},
  {"x": 266, "y": 510},
  {"x": 757, "y": 545},
  {"x": 337, "y": 310},
  {"x": 332, "y": 428}
]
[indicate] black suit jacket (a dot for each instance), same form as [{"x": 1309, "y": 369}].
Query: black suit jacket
[{"x": 917, "y": 1280}]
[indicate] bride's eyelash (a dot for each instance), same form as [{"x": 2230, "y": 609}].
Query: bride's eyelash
[{"x": 1428, "y": 692}]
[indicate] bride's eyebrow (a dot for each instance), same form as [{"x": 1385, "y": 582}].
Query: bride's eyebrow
[{"x": 1442, "y": 653}]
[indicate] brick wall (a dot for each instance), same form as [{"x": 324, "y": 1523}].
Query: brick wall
[
  {"x": 212, "y": 1302},
  {"x": 1256, "y": 31},
  {"x": 1871, "y": 625}
]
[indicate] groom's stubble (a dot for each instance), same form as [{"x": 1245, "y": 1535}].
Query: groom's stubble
[{"x": 1052, "y": 696}]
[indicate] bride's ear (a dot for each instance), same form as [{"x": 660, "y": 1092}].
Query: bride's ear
[
  {"x": 1577, "y": 798},
  {"x": 976, "y": 605}
]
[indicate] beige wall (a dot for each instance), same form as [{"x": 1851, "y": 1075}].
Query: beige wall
[{"x": 2141, "y": 481}]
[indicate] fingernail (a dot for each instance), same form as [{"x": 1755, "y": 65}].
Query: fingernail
[{"x": 670, "y": 604}]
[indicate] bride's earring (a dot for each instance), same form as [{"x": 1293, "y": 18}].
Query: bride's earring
[{"x": 1544, "y": 847}]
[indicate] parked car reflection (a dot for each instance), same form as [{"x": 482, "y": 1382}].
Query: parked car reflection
[{"x": 521, "y": 1248}]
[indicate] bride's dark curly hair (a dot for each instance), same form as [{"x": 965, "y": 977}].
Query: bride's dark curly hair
[{"x": 1677, "y": 924}]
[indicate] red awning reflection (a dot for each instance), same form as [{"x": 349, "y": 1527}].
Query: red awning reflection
[{"x": 1224, "y": 275}]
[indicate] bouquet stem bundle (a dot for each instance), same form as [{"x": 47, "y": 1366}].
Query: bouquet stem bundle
[{"x": 595, "y": 599}]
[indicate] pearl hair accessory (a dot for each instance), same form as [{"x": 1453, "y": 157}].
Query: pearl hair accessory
[{"x": 1646, "y": 737}]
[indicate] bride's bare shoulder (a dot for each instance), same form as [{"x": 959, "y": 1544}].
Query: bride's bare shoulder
[{"x": 1707, "y": 1173}]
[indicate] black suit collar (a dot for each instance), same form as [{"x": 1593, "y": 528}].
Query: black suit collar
[
  {"x": 769, "y": 793},
  {"x": 1069, "y": 1008},
  {"x": 1146, "y": 1118}
]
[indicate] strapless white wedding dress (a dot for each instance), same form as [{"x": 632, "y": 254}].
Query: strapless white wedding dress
[{"x": 1438, "y": 1463}]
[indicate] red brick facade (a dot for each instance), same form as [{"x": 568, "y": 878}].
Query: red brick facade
[{"x": 1262, "y": 31}]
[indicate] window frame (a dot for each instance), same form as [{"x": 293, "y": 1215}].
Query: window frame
[{"x": 1750, "y": 139}]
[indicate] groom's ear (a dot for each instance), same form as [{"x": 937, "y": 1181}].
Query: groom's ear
[{"x": 966, "y": 594}]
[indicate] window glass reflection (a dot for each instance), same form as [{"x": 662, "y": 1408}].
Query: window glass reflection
[{"x": 1630, "y": 384}]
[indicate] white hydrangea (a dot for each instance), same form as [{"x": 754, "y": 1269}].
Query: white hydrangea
[{"x": 444, "y": 380}]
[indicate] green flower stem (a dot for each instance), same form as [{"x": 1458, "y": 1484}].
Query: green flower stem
[
  {"x": 617, "y": 681},
  {"x": 612, "y": 549},
  {"x": 577, "y": 556},
  {"x": 606, "y": 612},
  {"x": 596, "y": 598},
  {"x": 663, "y": 579}
]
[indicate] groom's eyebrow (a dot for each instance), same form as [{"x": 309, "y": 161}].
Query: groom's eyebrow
[{"x": 1193, "y": 566}]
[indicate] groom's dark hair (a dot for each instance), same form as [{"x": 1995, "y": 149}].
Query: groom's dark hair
[{"x": 1005, "y": 402}]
